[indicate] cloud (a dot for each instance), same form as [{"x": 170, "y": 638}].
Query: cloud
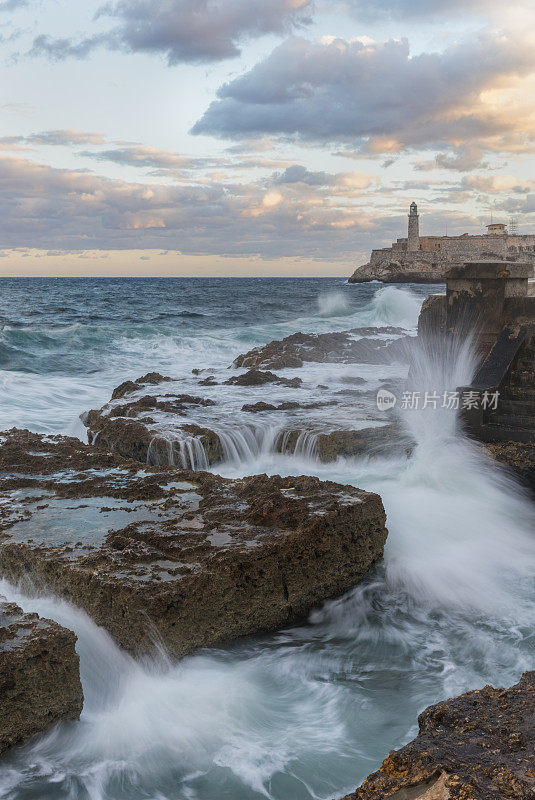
[
  {"x": 184, "y": 31},
  {"x": 299, "y": 174},
  {"x": 142, "y": 156},
  {"x": 55, "y": 138},
  {"x": 66, "y": 137},
  {"x": 461, "y": 159},
  {"x": 377, "y": 97},
  {"x": 59, "y": 49},
  {"x": 494, "y": 184},
  {"x": 13, "y": 5},
  {"x": 345, "y": 180},
  {"x": 59, "y": 209},
  {"x": 168, "y": 163}
]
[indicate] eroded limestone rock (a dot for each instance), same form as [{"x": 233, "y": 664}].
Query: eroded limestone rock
[
  {"x": 479, "y": 746},
  {"x": 187, "y": 557},
  {"x": 39, "y": 675}
]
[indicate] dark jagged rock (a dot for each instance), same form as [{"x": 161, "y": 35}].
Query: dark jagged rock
[
  {"x": 256, "y": 377},
  {"x": 39, "y": 675},
  {"x": 128, "y": 429},
  {"x": 189, "y": 557},
  {"x": 479, "y": 746},
  {"x": 432, "y": 318},
  {"x": 179, "y": 404},
  {"x": 343, "y": 347},
  {"x": 490, "y": 301},
  {"x": 290, "y": 405},
  {"x": 151, "y": 378}
]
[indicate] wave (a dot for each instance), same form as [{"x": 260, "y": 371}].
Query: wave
[{"x": 393, "y": 306}]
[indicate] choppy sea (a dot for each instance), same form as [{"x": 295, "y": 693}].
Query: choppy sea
[{"x": 308, "y": 712}]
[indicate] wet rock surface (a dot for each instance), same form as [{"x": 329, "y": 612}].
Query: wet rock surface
[
  {"x": 169, "y": 426},
  {"x": 139, "y": 440},
  {"x": 479, "y": 746},
  {"x": 519, "y": 457},
  {"x": 256, "y": 377},
  {"x": 289, "y": 405},
  {"x": 151, "y": 378},
  {"x": 186, "y": 558},
  {"x": 386, "y": 440},
  {"x": 39, "y": 675},
  {"x": 343, "y": 347}
]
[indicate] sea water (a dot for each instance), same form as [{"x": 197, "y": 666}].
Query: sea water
[{"x": 307, "y": 712}]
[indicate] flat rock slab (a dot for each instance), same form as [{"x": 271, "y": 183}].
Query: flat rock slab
[
  {"x": 39, "y": 675},
  {"x": 186, "y": 558},
  {"x": 479, "y": 746}
]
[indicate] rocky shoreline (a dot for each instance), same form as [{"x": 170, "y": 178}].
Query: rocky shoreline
[
  {"x": 159, "y": 553},
  {"x": 401, "y": 271}
]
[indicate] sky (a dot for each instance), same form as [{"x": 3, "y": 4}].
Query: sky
[{"x": 257, "y": 137}]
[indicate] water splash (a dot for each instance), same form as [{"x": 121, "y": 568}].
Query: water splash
[{"x": 333, "y": 304}]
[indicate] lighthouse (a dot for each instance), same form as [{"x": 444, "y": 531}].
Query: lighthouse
[{"x": 413, "y": 241}]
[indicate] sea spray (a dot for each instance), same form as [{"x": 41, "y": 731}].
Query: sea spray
[
  {"x": 333, "y": 304},
  {"x": 461, "y": 531},
  {"x": 393, "y": 306}
]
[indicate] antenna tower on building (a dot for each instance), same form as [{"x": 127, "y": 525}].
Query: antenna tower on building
[{"x": 513, "y": 226}]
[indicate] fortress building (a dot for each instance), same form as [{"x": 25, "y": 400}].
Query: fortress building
[{"x": 426, "y": 259}]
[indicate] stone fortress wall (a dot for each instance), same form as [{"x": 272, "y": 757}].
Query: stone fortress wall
[
  {"x": 428, "y": 258},
  {"x": 434, "y": 249}
]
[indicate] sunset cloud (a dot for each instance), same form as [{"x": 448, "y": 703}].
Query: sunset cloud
[
  {"x": 42, "y": 207},
  {"x": 376, "y": 97},
  {"x": 312, "y": 147},
  {"x": 300, "y": 174}
]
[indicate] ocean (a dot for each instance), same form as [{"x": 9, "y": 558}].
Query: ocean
[{"x": 308, "y": 712}]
